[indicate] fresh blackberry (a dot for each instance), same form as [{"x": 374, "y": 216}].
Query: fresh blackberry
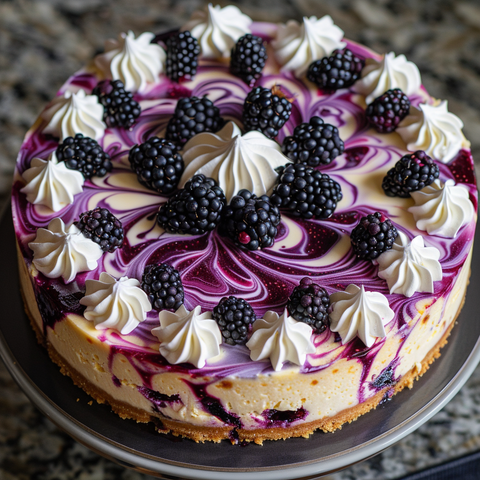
[
  {"x": 158, "y": 164},
  {"x": 195, "y": 209},
  {"x": 306, "y": 192},
  {"x": 248, "y": 58},
  {"x": 120, "y": 109},
  {"x": 388, "y": 110},
  {"x": 266, "y": 110},
  {"x": 340, "y": 70},
  {"x": 85, "y": 155},
  {"x": 101, "y": 226},
  {"x": 235, "y": 317},
  {"x": 412, "y": 172},
  {"x": 374, "y": 235},
  {"x": 193, "y": 115},
  {"x": 309, "y": 303},
  {"x": 313, "y": 143},
  {"x": 182, "y": 56},
  {"x": 251, "y": 221},
  {"x": 163, "y": 285}
]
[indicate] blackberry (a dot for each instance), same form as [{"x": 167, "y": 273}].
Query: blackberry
[
  {"x": 85, "y": 155},
  {"x": 309, "y": 303},
  {"x": 266, "y": 110},
  {"x": 193, "y": 115},
  {"x": 388, "y": 110},
  {"x": 306, "y": 192},
  {"x": 235, "y": 317},
  {"x": 163, "y": 285},
  {"x": 101, "y": 226},
  {"x": 158, "y": 164},
  {"x": 374, "y": 235},
  {"x": 251, "y": 221},
  {"x": 182, "y": 56},
  {"x": 195, "y": 209},
  {"x": 411, "y": 173},
  {"x": 120, "y": 109},
  {"x": 248, "y": 58},
  {"x": 313, "y": 143},
  {"x": 340, "y": 70}
]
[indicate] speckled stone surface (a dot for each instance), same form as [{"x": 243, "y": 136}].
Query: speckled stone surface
[{"x": 43, "y": 41}]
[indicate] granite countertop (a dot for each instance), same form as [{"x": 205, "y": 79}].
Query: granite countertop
[{"x": 43, "y": 41}]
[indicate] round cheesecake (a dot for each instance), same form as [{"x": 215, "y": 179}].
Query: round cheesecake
[{"x": 233, "y": 396}]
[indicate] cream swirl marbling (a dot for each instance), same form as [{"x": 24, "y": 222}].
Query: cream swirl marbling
[
  {"x": 51, "y": 183},
  {"x": 118, "y": 304},
  {"x": 218, "y": 29},
  {"x": 442, "y": 209},
  {"x": 281, "y": 339},
  {"x": 63, "y": 252},
  {"x": 410, "y": 266},
  {"x": 188, "y": 337},
  {"x": 433, "y": 129},
  {"x": 298, "y": 45},
  {"x": 134, "y": 61},
  {"x": 73, "y": 113},
  {"x": 389, "y": 72},
  {"x": 233, "y": 160},
  {"x": 356, "y": 312}
]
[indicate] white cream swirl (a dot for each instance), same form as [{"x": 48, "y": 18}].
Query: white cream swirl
[
  {"x": 51, "y": 183},
  {"x": 73, "y": 113},
  {"x": 433, "y": 129},
  {"x": 410, "y": 266},
  {"x": 118, "y": 304},
  {"x": 188, "y": 337},
  {"x": 233, "y": 160},
  {"x": 389, "y": 72},
  {"x": 442, "y": 209},
  {"x": 281, "y": 339},
  {"x": 218, "y": 29},
  {"x": 134, "y": 61},
  {"x": 63, "y": 252},
  {"x": 356, "y": 312},
  {"x": 298, "y": 45}
]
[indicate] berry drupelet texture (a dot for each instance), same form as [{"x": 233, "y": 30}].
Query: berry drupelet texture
[
  {"x": 388, "y": 110},
  {"x": 248, "y": 58},
  {"x": 102, "y": 227},
  {"x": 411, "y": 173},
  {"x": 158, "y": 164},
  {"x": 235, "y": 317},
  {"x": 195, "y": 209},
  {"x": 309, "y": 303},
  {"x": 251, "y": 221},
  {"x": 306, "y": 192},
  {"x": 313, "y": 143},
  {"x": 182, "y": 56},
  {"x": 266, "y": 110},
  {"x": 373, "y": 235},
  {"x": 340, "y": 70},
  {"x": 120, "y": 108},
  {"x": 163, "y": 285}
]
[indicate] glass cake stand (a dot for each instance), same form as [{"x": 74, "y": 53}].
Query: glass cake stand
[{"x": 139, "y": 447}]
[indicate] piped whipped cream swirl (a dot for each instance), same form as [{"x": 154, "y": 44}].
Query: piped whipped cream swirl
[
  {"x": 442, "y": 209},
  {"x": 51, "y": 183},
  {"x": 410, "y": 266},
  {"x": 73, "y": 113},
  {"x": 298, "y": 45},
  {"x": 356, "y": 312},
  {"x": 188, "y": 337},
  {"x": 233, "y": 160},
  {"x": 218, "y": 29},
  {"x": 63, "y": 252},
  {"x": 118, "y": 304},
  {"x": 281, "y": 339}
]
